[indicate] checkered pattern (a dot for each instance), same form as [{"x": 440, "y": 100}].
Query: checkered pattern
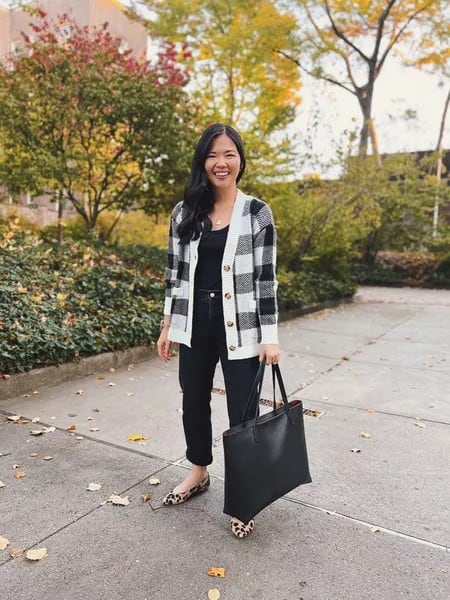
[{"x": 249, "y": 282}]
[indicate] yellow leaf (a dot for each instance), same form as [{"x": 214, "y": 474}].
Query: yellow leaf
[
  {"x": 19, "y": 474},
  {"x": 3, "y": 542},
  {"x": 37, "y": 554},
  {"x": 16, "y": 552},
  {"x": 216, "y": 572},
  {"x": 371, "y": 410},
  {"x": 21, "y": 289},
  {"x": 136, "y": 437},
  {"x": 213, "y": 594}
]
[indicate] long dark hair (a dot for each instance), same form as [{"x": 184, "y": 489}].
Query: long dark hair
[{"x": 199, "y": 195}]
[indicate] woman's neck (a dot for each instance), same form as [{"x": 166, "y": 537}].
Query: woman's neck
[{"x": 225, "y": 197}]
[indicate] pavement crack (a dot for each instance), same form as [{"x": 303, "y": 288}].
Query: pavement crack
[{"x": 388, "y": 530}]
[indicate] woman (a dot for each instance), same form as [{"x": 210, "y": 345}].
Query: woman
[{"x": 220, "y": 298}]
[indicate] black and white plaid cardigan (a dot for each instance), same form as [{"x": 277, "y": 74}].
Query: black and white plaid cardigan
[{"x": 249, "y": 282}]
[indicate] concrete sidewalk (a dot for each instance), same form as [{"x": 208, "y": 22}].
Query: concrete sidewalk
[{"x": 374, "y": 524}]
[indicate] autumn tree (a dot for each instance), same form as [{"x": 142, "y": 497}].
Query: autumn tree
[
  {"x": 348, "y": 43},
  {"x": 236, "y": 76},
  {"x": 86, "y": 123}
]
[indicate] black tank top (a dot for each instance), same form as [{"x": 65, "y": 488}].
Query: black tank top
[{"x": 208, "y": 275}]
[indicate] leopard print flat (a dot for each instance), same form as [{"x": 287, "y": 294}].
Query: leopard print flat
[
  {"x": 240, "y": 529},
  {"x": 178, "y": 498}
]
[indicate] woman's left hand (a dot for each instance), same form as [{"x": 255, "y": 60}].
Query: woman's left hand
[{"x": 270, "y": 353}]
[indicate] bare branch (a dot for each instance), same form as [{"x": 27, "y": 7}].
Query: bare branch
[
  {"x": 341, "y": 35},
  {"x": 395, "y": 38},
  {"x": 315, "y": 75}
]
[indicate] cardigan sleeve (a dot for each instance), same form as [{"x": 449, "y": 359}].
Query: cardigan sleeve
[
  {"x": 264, "y": 257},
  {"x": 172, "y": 261}
]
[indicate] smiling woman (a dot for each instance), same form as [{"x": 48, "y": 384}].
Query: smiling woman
[{"x": 220, "y": 296}]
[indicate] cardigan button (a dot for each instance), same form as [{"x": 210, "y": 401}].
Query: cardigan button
[
  {"x": 226, "y": 267},
  {"x": 232, "y": 347},
  {"x": 228, "y": 295},
  {"x": 230, "y": 323}
]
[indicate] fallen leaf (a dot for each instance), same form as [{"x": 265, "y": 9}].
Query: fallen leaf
[
  {"x": 49, "y": 429},
  {"x": 15, "y": 466},
  {"x": 79, "y": 392},
  {"x": 3, "y": 542},
  {"x": 34, "y": 454},
  {"x": 48, "y": 457},
  {"x": 112, "y": 370},
  {"x": 94, "y": 429},
  {"x": 216, "y": 572},
  {"x": 111, "y": 384},
  {"x": 136, "y": 437},
  {"x": 421, "y": 425},
  {"x": 371, "y": 410},
  {"x": 130, "y": 367},
  {"x": 146, "y": 497},
  {"x": 180, "y": 410},
  {"x": 90, "y": 419},
  {"x": 94, "y": 487},
  {"x": 72, "y": 414},
  {"x": 79, "y": 437},
  {"x": 1, "y": 484},
  {"x": 19, "y": 474},
  {"x": 14, "y": 418},
  {"x": 37, "y": 432},
  {"x": 213, "y": 594},
  {"x": 36, "y": 392},
  {"x": 37, "y": 554},
  {"x": 364, "y": 434},
  {"x": 71, "y": 428},
  {"x": 129, "y": 394},
  {"x": 118, "y": 500},
  {"x": 95, "y": 410},
  {"x": 375, "y": 529},
  {"x": 35, "y": 420},
  {"x": 154, "y": 481},
  {"x": 16, "y": 552},
  {"x": 355, "y": 450},
  {"x": 101, "y": 377}
]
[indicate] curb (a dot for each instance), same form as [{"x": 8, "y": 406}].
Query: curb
[{"x": 21, "y": 383}]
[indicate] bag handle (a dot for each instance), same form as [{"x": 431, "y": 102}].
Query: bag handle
[{"x": 255, "y": 394}]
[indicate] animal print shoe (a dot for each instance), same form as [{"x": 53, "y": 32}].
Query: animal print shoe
[
  {"x": 173, "y": 498},
  {"x": 241, "y": 529}
]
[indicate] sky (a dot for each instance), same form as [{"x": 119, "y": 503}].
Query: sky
[{"x": 399, "y": 89}]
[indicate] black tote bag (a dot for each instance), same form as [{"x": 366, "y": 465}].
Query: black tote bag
[{"x": 265, "y": 457}]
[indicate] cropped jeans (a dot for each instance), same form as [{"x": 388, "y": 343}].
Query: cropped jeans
[{"x": 197, "y": 366}]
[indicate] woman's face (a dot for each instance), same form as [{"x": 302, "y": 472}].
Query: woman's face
[{"x": 223, "y": 162}]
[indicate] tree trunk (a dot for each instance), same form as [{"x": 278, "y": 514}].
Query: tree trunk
[{"x": 60, "y": 217}]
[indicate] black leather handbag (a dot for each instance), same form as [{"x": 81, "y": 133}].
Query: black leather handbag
[{"x": 265, "y": 457}]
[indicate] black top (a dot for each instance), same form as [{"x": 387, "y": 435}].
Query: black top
[{"x": 208, "y": 275}]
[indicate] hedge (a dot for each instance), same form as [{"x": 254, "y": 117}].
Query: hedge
[{"x": 58, "y": 304}]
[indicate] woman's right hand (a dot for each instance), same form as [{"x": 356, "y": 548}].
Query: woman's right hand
[{"x": 164, "y": 345}]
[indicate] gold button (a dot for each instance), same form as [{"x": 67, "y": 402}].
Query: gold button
[
  {"x": 226, "y": 267},
  {"x": 232, "y": 347},
  {"x": 227, "y": 295},
  {"x": 230, "y": 323}
]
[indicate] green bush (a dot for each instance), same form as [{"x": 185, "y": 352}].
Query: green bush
[
  {"x": 60, "y": 304},
  {"x": 303, "y": 288}
]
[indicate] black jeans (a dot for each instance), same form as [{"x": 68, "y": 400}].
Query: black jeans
[{"x": 196, "y": 372}]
